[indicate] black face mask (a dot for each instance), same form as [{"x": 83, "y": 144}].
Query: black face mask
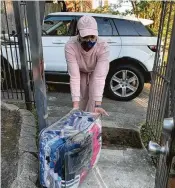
[{"x": 88, "y": 44}]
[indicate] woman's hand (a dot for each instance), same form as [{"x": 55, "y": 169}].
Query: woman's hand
[
  {"x": 76, "y": 105},
  {"x": 101, "y": 111}
]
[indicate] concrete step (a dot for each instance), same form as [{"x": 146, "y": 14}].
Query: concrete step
[
  {"x": 123, "y": 129},
  {"x": 129, "y": 168}
]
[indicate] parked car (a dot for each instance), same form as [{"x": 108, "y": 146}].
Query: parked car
[{"x": 132, "y": 50}]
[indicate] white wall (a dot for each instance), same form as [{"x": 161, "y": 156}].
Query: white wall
[
  {"x": 97, "y": 3},
  {"x": 125, "y": 4}
]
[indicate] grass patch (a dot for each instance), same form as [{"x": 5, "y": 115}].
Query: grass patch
[
  {"x": 152, "y": 133},
  {"x": 145, "y": 135},
  {"x": 34, "y": 112}
]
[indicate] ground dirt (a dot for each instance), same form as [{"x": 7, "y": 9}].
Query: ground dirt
[{"x": 10, "y": 130}]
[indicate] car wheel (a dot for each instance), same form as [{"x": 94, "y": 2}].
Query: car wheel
[
  {"x": 6, "y": 77},
  {"x": 124, "y": 82}
]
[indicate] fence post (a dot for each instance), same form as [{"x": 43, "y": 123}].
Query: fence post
[
  {"x": 23, "y": 55},
  {"x": 34, "y": 26}
]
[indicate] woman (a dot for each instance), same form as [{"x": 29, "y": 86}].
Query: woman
[{"x": 87, "y": 57}]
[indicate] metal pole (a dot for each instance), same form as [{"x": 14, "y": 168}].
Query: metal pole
[
  {"x": 34, "y": 25},
  {"x": 23, "y": 55}
]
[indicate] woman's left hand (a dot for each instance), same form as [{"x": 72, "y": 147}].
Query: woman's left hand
[{"x": 101, "y": 111}]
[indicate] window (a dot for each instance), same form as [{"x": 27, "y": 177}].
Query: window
[
  {"x": 106, "y": 27},
  {"x": 131, "y": 28},
  {"x": 59, "y": 26},
  {"x": 140, "y": 28},
  {"x": 125, "y": 27},
  {"x": 150, "y": 31}
]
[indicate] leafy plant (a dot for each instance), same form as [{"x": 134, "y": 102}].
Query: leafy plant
[{"x": 105, "y": 9}]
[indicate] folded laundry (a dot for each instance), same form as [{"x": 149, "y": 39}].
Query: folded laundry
[{"x": 68, "y": 149}]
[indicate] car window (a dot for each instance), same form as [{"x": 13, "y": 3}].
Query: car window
[
  {"x": 140, "y": 28},
  {"x": 59, "y": 26},
  {"x": 114, "y": 30},
  {"x": 150, "y": 31},
  {"x": 105, "y": 27},
  {"x": 125, "y": 28}
]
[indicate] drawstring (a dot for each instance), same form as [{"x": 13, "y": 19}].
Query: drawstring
[{"x": 88, "y": 78}]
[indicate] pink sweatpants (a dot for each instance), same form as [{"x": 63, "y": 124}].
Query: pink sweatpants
[{"x": 86, "y": 99}]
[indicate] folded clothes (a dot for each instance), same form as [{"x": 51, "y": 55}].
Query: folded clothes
[{"x": 68, "y": 149}]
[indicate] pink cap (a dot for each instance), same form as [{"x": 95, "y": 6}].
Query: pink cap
[{"x": 87, "y": 25}]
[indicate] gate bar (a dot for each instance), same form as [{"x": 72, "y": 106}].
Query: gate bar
[
  {"x": 34, "y": 26},
  {"x": 23, "y": 55}
]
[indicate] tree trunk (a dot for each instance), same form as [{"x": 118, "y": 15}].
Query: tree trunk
[{"x": 134, "y": 6}]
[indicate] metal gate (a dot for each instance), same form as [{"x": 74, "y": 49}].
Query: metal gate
[
  {"x": 16, "y": 61},
  {"x": 22, "y": 64},
  {"x": 161, "y": 107},
  {"x": 16, "y": 65}
]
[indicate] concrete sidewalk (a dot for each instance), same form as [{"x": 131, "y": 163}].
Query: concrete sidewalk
[{"x": 130, "y": 168}]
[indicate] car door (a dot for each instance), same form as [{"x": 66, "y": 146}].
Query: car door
[{"x": 57, "y": 30}]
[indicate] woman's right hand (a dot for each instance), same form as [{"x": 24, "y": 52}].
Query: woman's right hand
[
  {"x": 101, "y": 111},
  {"x": 76, "y": 105}
]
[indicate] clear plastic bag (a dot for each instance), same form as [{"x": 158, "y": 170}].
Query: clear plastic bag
[{"x": 68, "y": 149}]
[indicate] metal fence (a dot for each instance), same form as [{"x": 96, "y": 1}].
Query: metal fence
[
  {"x": 160, "y": 76},
  {"x": 16, "y": 65},
  {"x": 161, "y": 103},
  {"x": 16, "y": 62},
  {"x": 165, "y": 166},
  {"x": 22, "y": 65}
]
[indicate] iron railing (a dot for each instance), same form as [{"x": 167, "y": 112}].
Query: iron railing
[
  {"x": 162, "y": 95},
  {"x": 164, "y": 172},
  {"x": 16, "y": 65},
  {"x": 161, "y": 76}
]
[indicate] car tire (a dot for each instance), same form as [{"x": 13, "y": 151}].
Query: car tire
[
  {"x": 7, "y": 76},
  {"x": 119, "y": 88}
]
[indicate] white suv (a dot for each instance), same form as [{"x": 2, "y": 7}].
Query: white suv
[{"x": 132, "y": 50}]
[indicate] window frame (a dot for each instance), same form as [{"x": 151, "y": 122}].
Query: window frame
[
  {"x": 130, "y": 21},
  {"x": 112, "y": 22}
]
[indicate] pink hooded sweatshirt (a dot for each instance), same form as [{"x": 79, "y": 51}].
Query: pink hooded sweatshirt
[{"x": 88, "y": 71}]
